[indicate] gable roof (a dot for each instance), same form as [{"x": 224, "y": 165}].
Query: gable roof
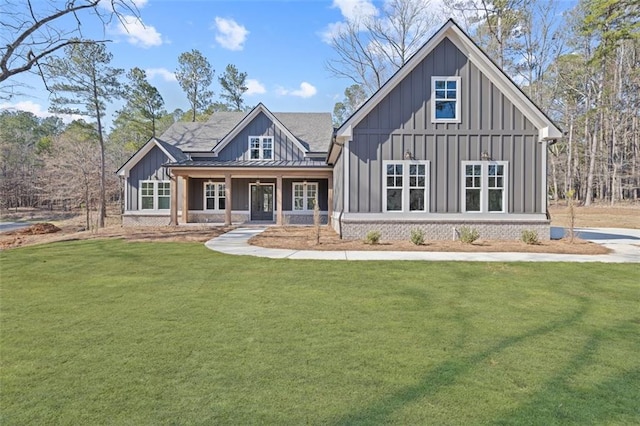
[
  {"x": 173, "y": 153},
  {"x": 310, "y": 131},
  {"x": 453, "y": 32},
  {"x": 260, "y": 108}
]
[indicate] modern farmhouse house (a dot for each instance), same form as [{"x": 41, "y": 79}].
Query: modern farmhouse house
[{"x": 448, "y": 141}]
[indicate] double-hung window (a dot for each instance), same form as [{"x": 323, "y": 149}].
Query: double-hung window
[
  {"x": 405, "y": 186},
  {"x": 155, "y": 195},
  {"x": 214, "y": 196},
  {"x": 304, "y": 195},
  {"x": 445, "y": 99},
  {"x": 261, "y": 147},
  {"x": 485, "y": 186}
]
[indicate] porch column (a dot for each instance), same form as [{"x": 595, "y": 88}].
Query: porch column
[
  {"x": 227, "y": 196},
  {"x": 173, "y": 190},
  {"x": 330, "y": 200},
  {"x": 185, "y": 199},
  {"x": 279, "y": 200}
]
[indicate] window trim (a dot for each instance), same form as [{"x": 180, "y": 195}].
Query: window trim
[
  {"x": 156, "y": 194},
  {"x": 484, "y": 186},
  {"x": 457, "y": 118},
  {"x": 216, "y": 197},
  {"x": 406, "y": 188},
  {"x": 261, "y": 147},
  {"x": 305, "y": 196}
]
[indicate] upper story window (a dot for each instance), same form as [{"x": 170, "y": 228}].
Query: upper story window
[
  {"x": 304, "y": 195},
  {"x": 155, "y": 195},
  {"x": 445, "y": 99},
  {"x": 405, "y": 186},
  {"x": 485, "y": 186},
  {"x": 261, "y": 147}
]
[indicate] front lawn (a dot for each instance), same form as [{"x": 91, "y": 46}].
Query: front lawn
[{"x": 113, "y": 332}]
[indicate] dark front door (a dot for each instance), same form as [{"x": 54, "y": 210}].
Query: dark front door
[{"x": 262, "y": 202}]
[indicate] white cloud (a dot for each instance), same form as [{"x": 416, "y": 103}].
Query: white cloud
[
  {"x": 254, "y": 87},
  {"x": 306, "y": 90},
  {"x": 137, "y": 32},
  {"x": 353, "y": 10},
  {"x": 331, "y": 31},
  {"x": 163, "y": 73},
  {"x": 230, "y": 35},
  {"x": 38, "y": 111}
]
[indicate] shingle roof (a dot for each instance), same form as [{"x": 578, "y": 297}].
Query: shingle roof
[
  {"x": 314, "y": 130},
  {"x": 173, "y": 150}
]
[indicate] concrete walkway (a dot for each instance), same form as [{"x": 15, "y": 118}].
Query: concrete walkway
[{"x": 625, "y": 244}]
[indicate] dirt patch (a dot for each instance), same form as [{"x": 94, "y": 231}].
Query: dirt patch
[
  {"x": 624, "y": 216},
  {"x": 38, "y": 229},
  {"x": 303, "y": 238},
  {"x": 195, "y": 233}
]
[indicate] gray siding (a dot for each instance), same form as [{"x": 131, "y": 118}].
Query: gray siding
[
  {"x": 240, "y": 192},
  {"x": 149, "y": 168},
  {"x": 402, "y": 121},
  {"x": 238, "y": 148}
]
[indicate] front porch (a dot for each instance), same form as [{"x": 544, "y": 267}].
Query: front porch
[{"x": 229, "y": 196}]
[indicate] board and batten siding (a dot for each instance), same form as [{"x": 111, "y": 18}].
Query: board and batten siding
[
  {"x": 284, "y": 149},
  {"x": 401, "y": 122},
  {"x": 149, "y": 168}
]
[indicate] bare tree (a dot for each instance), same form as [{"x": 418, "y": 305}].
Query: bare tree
[
  {"x": 86, "y": 77},
  {"x": 31, "y": 31},
  {"x": 371, "y": 49},
  {"x": 72, "y": 168}
]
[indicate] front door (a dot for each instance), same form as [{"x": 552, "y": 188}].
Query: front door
[{"x": 262, "y": 202}]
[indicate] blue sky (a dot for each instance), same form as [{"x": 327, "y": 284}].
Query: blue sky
[{"x": 281, "y": 45}]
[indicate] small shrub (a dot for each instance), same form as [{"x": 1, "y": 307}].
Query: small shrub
[
  {"x": 530, "y": 237},
  {"x": 373, "y": 237},
  {"x": 417, "y": 237},
  {"x": 468, "y": 235}
]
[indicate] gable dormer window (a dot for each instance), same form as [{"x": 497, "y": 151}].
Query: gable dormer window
[
  {"x": 261, "y": 147},
  {"x": 445, "y": 99}
]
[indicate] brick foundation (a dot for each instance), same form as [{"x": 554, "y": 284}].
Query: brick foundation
[
  {"x": 443, "y": 230},
  {"x": 145, "y": 220}
]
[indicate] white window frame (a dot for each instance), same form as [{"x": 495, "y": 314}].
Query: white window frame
[
  {"x": 218, "y": 193},
  {"x": 262, "y": 141},
  {"x": 406, "y": 188},
  {"x": 156, "y": 194},
  {"x": 484, "y": 185},
  {"x": 457, "y": 99},
  {"x": 306, "y": 205}
]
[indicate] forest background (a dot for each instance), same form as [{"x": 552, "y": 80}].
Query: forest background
[{"x": 581, "y": 66}]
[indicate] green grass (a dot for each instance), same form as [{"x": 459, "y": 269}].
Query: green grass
[{"x": 109, "y": 332}]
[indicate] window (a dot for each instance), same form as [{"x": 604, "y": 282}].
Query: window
[
  {"x": 445, "y": 97},
  {"x": 405, "y": 186},
  {"x": 261, "y": 147},
  {"x": 214, "y": 196},
  {"x": 485, "y": 186},
  {"x": 155, "y": 195},
  {"x": 304, "y": 195}
]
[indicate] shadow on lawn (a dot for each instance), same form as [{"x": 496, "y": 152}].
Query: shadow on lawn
[
  {"x": 560, "y": 401},
  {"x": 446, "y": 374}
]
